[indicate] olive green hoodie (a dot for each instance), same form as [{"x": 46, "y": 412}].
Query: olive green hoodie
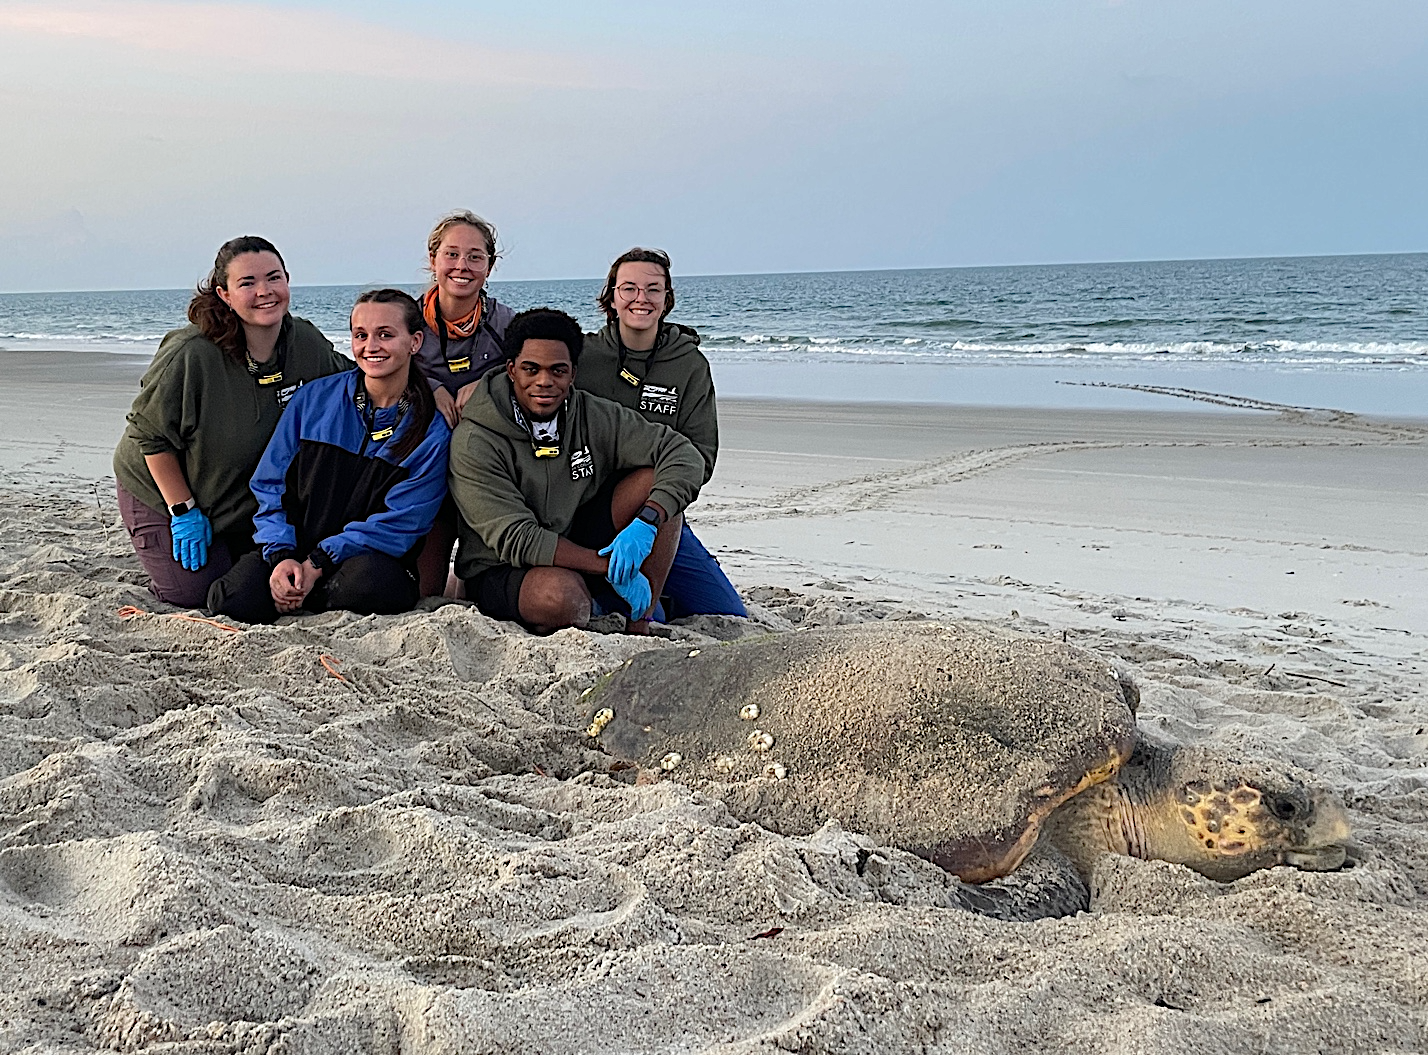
[
  {"x": 674, "y": 386},
  {"x": 515, "y": 506},
  {"x": 196, "y": 402}
]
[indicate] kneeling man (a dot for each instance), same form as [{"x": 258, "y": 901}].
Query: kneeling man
[{"x": 563, "y": 494}]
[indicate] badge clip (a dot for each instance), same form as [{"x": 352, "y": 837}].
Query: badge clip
[
  {"x": 456, "y": 366},
  {"x": 271, "y": 379},
  {"x": 629, "y": 377},
  {"x": 382, "y": 434},
  {"x": 547, "y": 452}
]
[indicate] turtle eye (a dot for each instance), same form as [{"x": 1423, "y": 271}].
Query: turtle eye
[{"x": 1283, "y": 807}]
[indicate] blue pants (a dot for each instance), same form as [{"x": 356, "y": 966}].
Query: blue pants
[{"x": 696, "y": 584}]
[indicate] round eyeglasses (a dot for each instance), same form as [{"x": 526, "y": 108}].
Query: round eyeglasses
[{"x": 629, "y": 291}]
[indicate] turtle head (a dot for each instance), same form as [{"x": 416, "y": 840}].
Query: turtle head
[{"x": 1227, "y": 818}]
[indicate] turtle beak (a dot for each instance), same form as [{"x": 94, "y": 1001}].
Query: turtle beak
[{"x": 1323, "y": 847}]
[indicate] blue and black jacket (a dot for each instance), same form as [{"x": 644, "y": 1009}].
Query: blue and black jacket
[{"x": 328, "y": 491}]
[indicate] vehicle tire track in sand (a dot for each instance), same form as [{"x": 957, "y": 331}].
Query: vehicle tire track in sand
[
  {"x": 869, "y": 491},
  {"x": 1325, "y": 417},
  {"x": 866, "y": 491}
]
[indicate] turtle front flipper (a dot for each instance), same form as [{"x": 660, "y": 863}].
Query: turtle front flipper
[{"x": 1045, "y": 886}]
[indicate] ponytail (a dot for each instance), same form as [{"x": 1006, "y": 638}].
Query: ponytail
[{"x": 418, "y": 394}]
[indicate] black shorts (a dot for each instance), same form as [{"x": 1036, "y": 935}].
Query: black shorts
[
  {"x": 497, "y": 591},
  {"x": 592, "y": 526}
]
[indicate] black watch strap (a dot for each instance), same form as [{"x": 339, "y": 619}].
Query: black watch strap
[{"x": 650, "y": 515}]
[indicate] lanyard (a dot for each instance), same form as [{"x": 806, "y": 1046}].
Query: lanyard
[
  {"x": 626, "y": 374},
  {"x": 541, "y": 448},
  {"x": 457, "y": 366},
  {"x": 369, "y": 415},
  {"x": 271, "y": 372}
]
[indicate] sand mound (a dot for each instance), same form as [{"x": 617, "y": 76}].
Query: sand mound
[{"x": 391, "y": 834}]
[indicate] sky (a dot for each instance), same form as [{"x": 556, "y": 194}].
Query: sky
[{"x": 740, "y": 136}]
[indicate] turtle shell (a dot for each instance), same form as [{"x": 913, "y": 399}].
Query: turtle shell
[{"x": 951, "y": 740}]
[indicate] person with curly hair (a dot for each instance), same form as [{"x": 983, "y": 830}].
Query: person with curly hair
[{"x": 207, "y": 406}]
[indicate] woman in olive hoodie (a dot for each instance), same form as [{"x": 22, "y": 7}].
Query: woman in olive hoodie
[
  {"x": 207, "y": 406},
  {"x": 656, "y": 368}
]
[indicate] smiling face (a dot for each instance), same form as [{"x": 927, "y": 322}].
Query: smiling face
[
  {"x": 541, "y": 375},
  {"x": 381, "y": 342},
  {"x": 461, "y": 263},
  {"x": 640, "y": 292},
  {"x": 257, "y": 289}
]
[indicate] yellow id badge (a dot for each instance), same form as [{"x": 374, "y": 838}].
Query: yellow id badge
[
  {"x": 456, "y": 366},
  {"x": 270, "y": 379},
  {"x": 381, "y": 434},
  {"x": 631, "y": 378},
  {"x": 547, "y": 452}
]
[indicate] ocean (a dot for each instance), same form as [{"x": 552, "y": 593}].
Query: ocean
[{"x": 1343, "y": 331}]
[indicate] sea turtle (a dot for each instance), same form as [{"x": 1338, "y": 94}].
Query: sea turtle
[{"x": 959, "y": 742}]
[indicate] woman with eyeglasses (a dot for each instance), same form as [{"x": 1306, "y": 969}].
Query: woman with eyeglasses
[
  {"x": 657, "y": 369},
  {"x": 462, "y": 331}
]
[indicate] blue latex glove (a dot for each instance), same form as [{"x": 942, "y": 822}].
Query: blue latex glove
[
  {"x": 628, "y": 551},
  {"x": 636, "y": 594},
  {"x": 192, "y": 534}
]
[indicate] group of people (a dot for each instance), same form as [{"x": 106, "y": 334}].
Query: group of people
[{"x": 262, "y": 473}]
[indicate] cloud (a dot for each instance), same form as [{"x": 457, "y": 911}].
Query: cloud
[{"x": 306, "y": 42}]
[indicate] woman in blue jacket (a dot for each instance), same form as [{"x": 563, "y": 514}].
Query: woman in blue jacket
[{"x": 350, "y": 483}]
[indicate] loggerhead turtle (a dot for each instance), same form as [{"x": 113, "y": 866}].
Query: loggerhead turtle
[{"x": 958, "y": 742}]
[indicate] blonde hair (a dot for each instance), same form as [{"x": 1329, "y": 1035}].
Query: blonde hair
[{"x": 470, "y": 219}]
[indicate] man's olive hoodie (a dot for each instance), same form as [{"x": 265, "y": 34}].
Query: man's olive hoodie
[
  {"x": 515, "y": 506},
  {"x": 674, "y": 386}
]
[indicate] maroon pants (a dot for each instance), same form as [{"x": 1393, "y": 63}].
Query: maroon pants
[{"x": 169, "y": 580}]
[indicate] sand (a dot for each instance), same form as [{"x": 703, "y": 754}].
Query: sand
[{"x": 388, "y": 834}]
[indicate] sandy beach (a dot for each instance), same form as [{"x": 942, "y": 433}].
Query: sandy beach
[{"x": 391, "y": 834}]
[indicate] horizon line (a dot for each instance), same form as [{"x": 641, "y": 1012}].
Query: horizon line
[{"x": 758, "y": 274}]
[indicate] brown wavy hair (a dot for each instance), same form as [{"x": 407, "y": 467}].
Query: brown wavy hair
[
  {"x": 606, "y": 299},
  {"x": 417, "y": 392},
  {"x": 220, "y": 323}
]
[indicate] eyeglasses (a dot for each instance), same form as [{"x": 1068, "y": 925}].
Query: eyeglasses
[
  {"x": 629, "y": 291},
  {"x": 474, "y": 259}
]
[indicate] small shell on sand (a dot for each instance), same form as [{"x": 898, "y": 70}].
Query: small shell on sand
[
  {"x": 693, "y": 652},
  {"x": 749, "y": 712},
  {"x": 760, "y": 740},
  {"x": 725, "y": 764},
  {"x": 670, "y": 760},
  {"x": 777, "y": 770},
  {"x": 603, "y": 717}
]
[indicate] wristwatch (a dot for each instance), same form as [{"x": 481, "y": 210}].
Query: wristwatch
[
  {"x": 650, "y": 515},
  {"x": 183, "y": 507}
]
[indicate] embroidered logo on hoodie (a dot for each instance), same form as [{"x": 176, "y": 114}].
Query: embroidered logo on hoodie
[
  {"x": 659, "y": 399},
  {"x": 581, "y": 464}
]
